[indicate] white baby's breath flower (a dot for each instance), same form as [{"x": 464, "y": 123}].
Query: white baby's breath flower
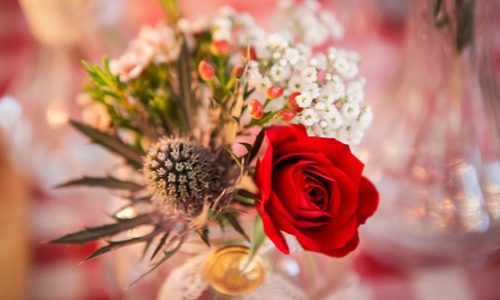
[
  {"x": 334, "y": 89},
  {"x": 309, "y": 75},
  {"x": 365, "y": 117},
  {"x": 295, "y": 84},
  {"x": 312, "y": 89},
  {"x": 292, "y": 55},
  {"x": 279, "y": 73},
  {"x": 309, "y": 117},
  {"x": 350, "y": 110},
  {"x": 221, "y": 35},
  {"x": 276, "y": 40},
  {"x": 262, "y": 84},
  {"x": 304, "y": 100}
]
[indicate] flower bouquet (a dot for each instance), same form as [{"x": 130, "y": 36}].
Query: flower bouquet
[{"x": 217, "y": 121}]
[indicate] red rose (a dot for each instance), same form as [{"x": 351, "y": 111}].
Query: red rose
[{"x": 312, "y": 188}]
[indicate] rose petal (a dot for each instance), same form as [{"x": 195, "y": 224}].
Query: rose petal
[
  {"x": 327, "y": 238},
  {"x": 272, "y": 232},
  {"x": 279, "y": 135},
  {"x": 337, "y": 153},
  {"x": 368, "y": 200},
  {"x": 348, "y": 248}
]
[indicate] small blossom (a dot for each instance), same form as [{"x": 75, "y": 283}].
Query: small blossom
[
  {"x": 312, "y": 89},
  {"x": 304, "y": 100},
  {"x": 237, "y": 71},
  {"x": 365, "y": 118},
  {"x": 292, "y": 102},
  {"x": 309, "y": 117},
  {"x": 292, "y": 55},
  {"x": 255, "y": 108},
  {"x": 295, "y": 83},
  {"x": 206, "y": 70},
  {"x": 287, "y": 115},
  {"x": 274, "y": 92},
  {"x": 279, "y": 73},
  {"x": 220, "y": 48},
  {"x": 309, "y": 75},
  {"x": 350, "y": 110}
]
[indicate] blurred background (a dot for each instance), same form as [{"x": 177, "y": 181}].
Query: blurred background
[{"x": 433, "y": 151}]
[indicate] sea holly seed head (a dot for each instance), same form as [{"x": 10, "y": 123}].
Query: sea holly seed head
[{"x": 182, "y": 176}]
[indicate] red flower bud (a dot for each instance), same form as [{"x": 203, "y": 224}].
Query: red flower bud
[
  {"x": 274, "y": 92},
  {"x": 255, "y": 108},
  {"x": 293, "y": 103},
  {"x": 249, "y": 53},
  {"x": 238, "y": 71},
  {"x": 206, "y": 70},
  {"x": 287, "y": 115},
  {"x": 220, "y": 48}
]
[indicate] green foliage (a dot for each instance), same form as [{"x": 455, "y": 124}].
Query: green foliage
[
  {"x": 132, "y": 155},
  {"x": 94, "y": 233},
  {"x": 103, "y": 182},
  {"x": 258, "y": 238}
]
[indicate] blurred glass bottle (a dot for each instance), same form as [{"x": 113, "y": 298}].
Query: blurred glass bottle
[{"x": 435, "y": 147}]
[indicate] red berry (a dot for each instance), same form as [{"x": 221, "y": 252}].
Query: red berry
[
  {"x": 249, "y": 53},
  {"x": 206, "y": 71},
  {"x": 220, "y": 48},
  {"x": 274, "y": 92},
  {"x": 286, "y": 115},
  {"x": 238, "y": 71},
  {"x": 255, "y": 108},
  {"x": 293, "y": 103}
]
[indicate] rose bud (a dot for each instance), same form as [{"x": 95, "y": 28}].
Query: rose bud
[
  {"x": 293, "y": 103},
  {"x": 238, "y": 71},
  {"x": 274, "y": 92},
  {"x": 287, "y": 115},
  {"x": 220, "y": 48},
  {"x": 249, "y": 53},
  {"x": 255, "y": 108},
  {"x": 206, "y": 70}
]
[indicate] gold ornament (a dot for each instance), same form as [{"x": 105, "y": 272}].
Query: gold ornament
[{"x": 227, "y": 272}]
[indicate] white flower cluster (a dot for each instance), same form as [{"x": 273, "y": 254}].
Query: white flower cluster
[
  {"x": 329, "y": 92},
  {"x": 153, "y": 44},
  {"x": 308, "y": 22},
  {"x": 232, "y": 26}
]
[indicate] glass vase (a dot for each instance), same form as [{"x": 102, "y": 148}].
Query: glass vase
[{"x": 435, "y": 147}]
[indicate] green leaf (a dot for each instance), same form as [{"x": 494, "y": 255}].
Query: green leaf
[
  {"x": 110, "y": 142},
  {"x": 160, "y": 244},
  {"x": 104, "y": 182},
  {"x": 94, "y": 233},
  {"x": 185, "y": 85},
  {"x": 203, "y": 233},
  {"x": 115, "y": 245},
  {"x": 256, "y": 147},
  {"x": 233, "y": 221},
  {"x": 258, "y": 238},
  {"x": 247, "y": 146},
  {"x": 166, "y": 256}
]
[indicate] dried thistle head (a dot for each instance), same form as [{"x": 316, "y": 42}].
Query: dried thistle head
[{"x": 182, "y": 176}]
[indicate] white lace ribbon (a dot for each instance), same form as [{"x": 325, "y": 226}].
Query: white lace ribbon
[{"x": 186, "y": 282}]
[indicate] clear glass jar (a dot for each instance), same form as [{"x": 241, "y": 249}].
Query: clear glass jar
[{"x": 435, "y": 143}]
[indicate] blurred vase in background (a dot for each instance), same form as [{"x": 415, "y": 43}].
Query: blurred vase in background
[{"x": 435, "y": 147}]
